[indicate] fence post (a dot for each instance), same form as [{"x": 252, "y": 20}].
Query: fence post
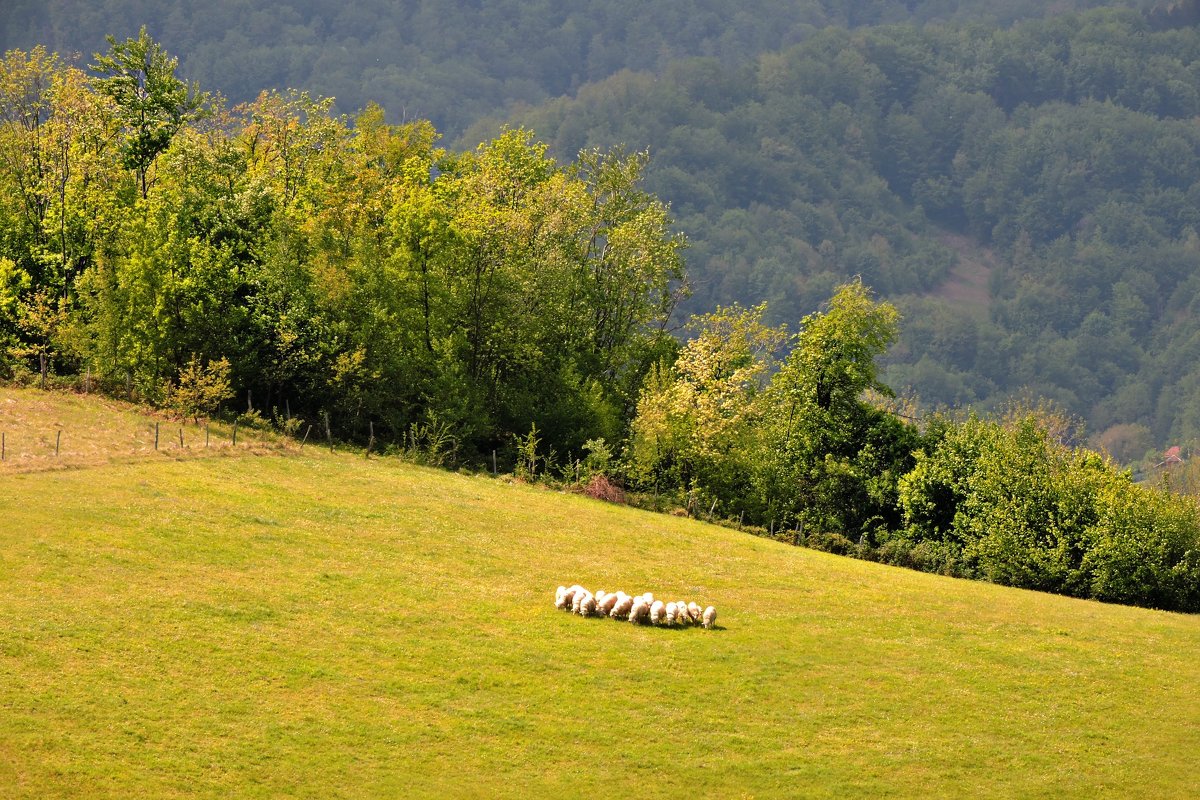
[
  {"x": 206, "y": 433},
  {"x": 235, "y": 433},
  {"x": 57, "y": 440},
  {"x": 305, "y": 439},
  {"x": 3, "y": 445},
  {"x": 371, "y": 440},
  {"x": 180, "y": 437},
  {"x": 328, "y": 432},
  {"x": 156, "y": 436},
  {"x": 493, "y": 463}
]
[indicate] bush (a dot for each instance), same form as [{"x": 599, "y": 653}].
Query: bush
[
  {"x": 831, "y": 543},
  {"x": 200, "y": 390},
  {"x": 600, "y": 487}
]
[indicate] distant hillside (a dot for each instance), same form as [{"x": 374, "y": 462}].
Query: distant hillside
[
  {"x": 1064, "y": 149},
  {"x": 453, "y": 62}
]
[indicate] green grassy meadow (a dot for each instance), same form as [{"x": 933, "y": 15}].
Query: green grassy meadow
[{"x": 316, "y": 625}]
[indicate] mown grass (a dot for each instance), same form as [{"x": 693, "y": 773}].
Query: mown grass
[{"x": 320, "y": 626}]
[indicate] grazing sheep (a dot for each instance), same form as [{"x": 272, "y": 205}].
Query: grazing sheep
[
  {"x": 609, "y": 602},
  {"x": 588, "y": 607},
  {"x": 569, "y": 596},
  {"x": 600, "y": 595},
  {"x": 578, "y": 598},
  {"x": 695, "y": 613},
  {"x": 639, "y": 613},
  {"x": 649, "y": 598},
  {"x": 710, "y": 617},
  {"x": 622, "y": 607},
  {"x": 672, "y": 613},
  {"x": 656, "y": 612},
  {"x": 559, "y": 596}
]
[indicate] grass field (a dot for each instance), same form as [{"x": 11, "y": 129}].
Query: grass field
[{"x": 316, "y": 625}]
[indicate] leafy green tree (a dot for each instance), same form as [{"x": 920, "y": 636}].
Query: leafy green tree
[
  {"x": 696, "y": 419},
  {"x": 827, "y": 456},
  {"x": 152, "y": 104}
]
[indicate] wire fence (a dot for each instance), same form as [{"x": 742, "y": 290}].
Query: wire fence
[{"x": 27, "y": 446}]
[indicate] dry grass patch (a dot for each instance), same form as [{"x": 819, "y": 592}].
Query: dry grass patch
[{"x": 55, "y": 430}]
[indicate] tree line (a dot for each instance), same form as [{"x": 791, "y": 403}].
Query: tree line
[
  {"x": 318, "y": 265},
  {"x": 797, "y": 434}
]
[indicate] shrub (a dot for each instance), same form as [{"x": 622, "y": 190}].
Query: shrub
[
  {"x": 600, "y": 487},
  {"x": 201, "y": 388}
]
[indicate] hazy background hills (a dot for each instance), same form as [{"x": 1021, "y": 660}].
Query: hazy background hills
[{"x": 1024, "y": 185}]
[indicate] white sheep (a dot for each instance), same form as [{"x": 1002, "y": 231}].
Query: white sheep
[
  {"x": 675, "y": 612},
  {"x": 577, "y": 600},
  {"x": 710, "y": 617},
  {"x": 568, "y": 597},
  {"x": 622, "y": 607},
  {"x": 559, "y": 594},
  {"x": 609, "y": 602},
  {"x": 656, "y": 612},
  {"x": 695, "y": 613},
  {"x": 587, "y": 608},
  {"x": 600, "y": 595},
  {"x": 649, "y": 598},
  {"x": 639, "y": 613}
]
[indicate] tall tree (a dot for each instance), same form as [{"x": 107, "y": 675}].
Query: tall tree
[{"x": 152, "y": 103}]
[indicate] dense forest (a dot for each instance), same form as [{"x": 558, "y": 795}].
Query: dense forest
[
  {"x": 452, "y": 61},
  {"x": 1056, "y": 159}
]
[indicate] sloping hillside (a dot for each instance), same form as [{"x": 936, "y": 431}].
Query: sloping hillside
[
  {"x": 321, "y": 625},
  {"x": 52, "y": 430}
]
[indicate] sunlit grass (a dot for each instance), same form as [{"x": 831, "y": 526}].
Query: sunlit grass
[
  {"x": 319, "y": 626},
  {"x": 51, "y": 430}
]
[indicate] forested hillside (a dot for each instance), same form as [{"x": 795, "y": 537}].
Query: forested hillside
[
  {"x": 452, "y": 61},
  {"x": 1058, "y": 160},
  {"x": 317, "y": 269}
]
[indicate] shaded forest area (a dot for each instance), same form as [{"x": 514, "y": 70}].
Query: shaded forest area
[
  {"x": 1061, "y": 153},
  {"x": 452, "y": 61}
]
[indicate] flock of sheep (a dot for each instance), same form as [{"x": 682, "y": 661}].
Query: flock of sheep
[{"x": 638, "y": 609}]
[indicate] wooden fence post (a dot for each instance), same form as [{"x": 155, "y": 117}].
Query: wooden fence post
[
  {"x": 305, "y": 439},
  {"x": 235, "y": 433},
  {"x": 180, "y": 437},
  {"x": 206, "y": 433},
  {"x": 328, "y": 431},
  {"x": 156, "y": 436},
  {"x": 57, "y": 441},
  {"x": 371, "y": 439}
]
